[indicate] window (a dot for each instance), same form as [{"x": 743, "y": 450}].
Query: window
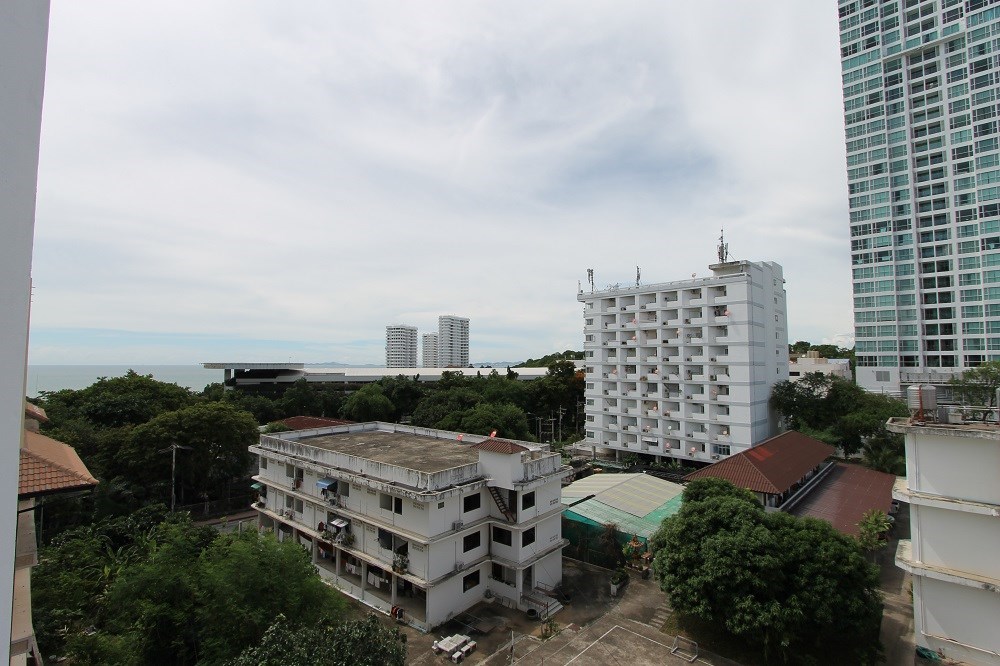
[
  {"x": 397, "y": 505},
  {"x": 344, "y": 488},
  {"x": 527, "y": 500},
  {"x": 472, "y": 502},
  {"x": 289, "y": 470},
  {"x": 298, "y": 506},
  {"x": 385, "y": 502},
  {"x": 502, "y": 536},
  {"x": 263, "y": 462},
  {"x": 470, "y": 581},
  {"x": 528, "y": 537},
  {"x": 385, "y": 539},
  {"x": 471, "y": 541}
]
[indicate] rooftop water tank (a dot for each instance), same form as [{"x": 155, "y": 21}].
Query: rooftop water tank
[{"x": 921, "y": 396}]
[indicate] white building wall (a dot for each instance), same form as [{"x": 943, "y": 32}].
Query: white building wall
[
  {"x": 685, "y": 369},
  {"x": 429, "y": 350},
  {"x": 400, "y": 346},
  {"x": 23, "y": 41},
  {"x": 453, "y": 342},
  {"x": 954, "y": 503}
]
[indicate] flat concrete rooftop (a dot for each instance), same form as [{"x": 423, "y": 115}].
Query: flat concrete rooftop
[{"x": 411, "y": 451}]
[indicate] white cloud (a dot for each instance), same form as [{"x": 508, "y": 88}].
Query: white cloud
[{"x": 312, "y": 172}]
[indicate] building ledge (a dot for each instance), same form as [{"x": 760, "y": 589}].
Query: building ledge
[
  {"x": 901, "y": 492},
  {"x": 905, "y": 561}
]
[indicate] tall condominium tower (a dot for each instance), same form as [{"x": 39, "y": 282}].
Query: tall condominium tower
[
  {"x": 429, "y": 350},
  {"x": 453, "y": 342},
  {"x": 400, "y": 346},
  {"x": 920, "y": 82},
  {"x": 685, "y": 369}
]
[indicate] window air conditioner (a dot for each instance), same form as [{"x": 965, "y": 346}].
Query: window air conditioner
[{"x": 457, "y": 525}]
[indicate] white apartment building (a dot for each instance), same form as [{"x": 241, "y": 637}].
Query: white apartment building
[
  {"x": 453, "y": 342},
  {"x": 400, "y": 346},
  {"x": 920, "y": 83},
  {"x": 414, "y": 520},
  {"x": 429, "y": 350},
  {"x": 685, "y": 369},
  {"x": 951, "y": 487},
  {"x": 811, "y": 362}
]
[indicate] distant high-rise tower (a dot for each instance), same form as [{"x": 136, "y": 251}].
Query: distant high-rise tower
[
  {"x": 400, "y": 346},
  {"x": 430, "y": 350},
  {"x": 920, "y": 83},
  {"x": 453, "y": 342}
]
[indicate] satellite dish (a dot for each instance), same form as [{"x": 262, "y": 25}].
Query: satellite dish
[{"x": 693, "y": 275}]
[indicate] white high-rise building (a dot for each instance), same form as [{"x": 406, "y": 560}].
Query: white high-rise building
[
  {"x": 920, "y": 83},
  {"x": 400, "y": 346},
  {"x": 685, "y": 369},
  {"x": 429, "y": 350},
  {"x": 453, "y": 342}
]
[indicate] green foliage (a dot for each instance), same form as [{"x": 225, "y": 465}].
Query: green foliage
[
  {"x": 119, "y": 401},
  {"x": 368, "y": 404},
  {"x": 136, "y": 591},
  {"x": 787, "y": 585},
  {"x": 246, "y": 581},
  {"x": 549, "y": 359},
  {"x": 978, "y": 386},
  {"x": 216, "y": 436},
  {"x": 275, "y": 426},
  {"x": 872, "y": 530},
  {"x": 359, "y": 643},
  {"x": 836, "y": 411}
]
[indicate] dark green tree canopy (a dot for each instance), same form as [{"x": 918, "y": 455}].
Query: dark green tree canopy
[{"x": 785, "y": 584}]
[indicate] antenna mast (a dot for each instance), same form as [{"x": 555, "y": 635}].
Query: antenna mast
[
  {"x": 590, "y": 279},
  {"x": 723, "y": 248}
]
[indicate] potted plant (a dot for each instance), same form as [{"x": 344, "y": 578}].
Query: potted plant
[
  {"x": 619, "y": 579},
  {"x": 345, "y": 539},
  {"x": 400, "y": 563}
]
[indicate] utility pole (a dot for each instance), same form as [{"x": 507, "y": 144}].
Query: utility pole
[
  {"x": 561, "y": 410},
  {"x": 173, "y": 472}
]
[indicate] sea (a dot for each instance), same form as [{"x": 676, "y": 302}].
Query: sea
[{"x": 58, "y": 377}]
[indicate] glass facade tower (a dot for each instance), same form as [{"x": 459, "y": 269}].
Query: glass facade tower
[{"x": 921, "y": 80}]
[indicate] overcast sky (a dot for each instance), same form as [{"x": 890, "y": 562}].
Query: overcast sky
[{"x": 278, "y": 181}]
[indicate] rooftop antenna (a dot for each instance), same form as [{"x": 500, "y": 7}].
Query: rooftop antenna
[
  {"x": 723, "y": 247},
  {"x": 590, "y": 279},
  {"x": 637, "y": 275}
]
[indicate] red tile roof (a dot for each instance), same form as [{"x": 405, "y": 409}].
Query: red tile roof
[
  {"x": 494, "y": 445},
  {"x": 49, "y": 466},
  {"x": 772, "y": 466},
  {"x": 308, "y": 422},
  {"x": 844, "y": 496},
  {"x": 34, "y": 412}
]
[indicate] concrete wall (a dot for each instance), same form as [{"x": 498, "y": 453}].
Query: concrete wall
[
  {"x": 965, "y": 614},
  {"x": 24, "y": 28},
  {"x": 961, "y": 467},
  {"x": 941, "y": 538}
]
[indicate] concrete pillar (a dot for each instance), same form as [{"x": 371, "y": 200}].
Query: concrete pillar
[
  {"x": 315, "y": 550},
  {"x": 339, "y": 554},
  {"x": 393, "y": 582},
  {"x": 364, "y": 577}
]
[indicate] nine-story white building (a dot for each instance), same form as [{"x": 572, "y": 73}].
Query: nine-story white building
[
  {"x": 685, "y": 369},
  {"x": 414, "y": 522}
]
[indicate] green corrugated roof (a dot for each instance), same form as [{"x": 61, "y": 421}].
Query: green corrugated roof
[{"x": 595, "y": 512}]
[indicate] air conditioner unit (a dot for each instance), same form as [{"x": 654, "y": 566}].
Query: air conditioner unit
[
  {"x": 712, "y": 377},
  {"x": 712, "y": 359},
  {"x": 715, "y": 456},
  {"x": 459, "y": 566},
  {"x": 642, "y": 307},
  {"x": 457, "y": 525}
]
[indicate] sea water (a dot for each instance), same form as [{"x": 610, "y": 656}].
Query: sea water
[{"x": 58, "y": 377}]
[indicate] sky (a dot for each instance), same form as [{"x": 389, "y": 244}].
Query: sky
[{"x": 273, "y": 181}]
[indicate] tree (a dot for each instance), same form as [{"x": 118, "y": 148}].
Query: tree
[
  {"x": 119, "y": 401},
  {"x": 246, "y": 581},
  {"x": 362, "y": 642},
  {"x": 872, "y": 530},
  {"x": 782, "y": 583},
  {"x": 978, "y": 386},
  {"x": 368, "y": 403},
  {"x": 216, "y": 436}
]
